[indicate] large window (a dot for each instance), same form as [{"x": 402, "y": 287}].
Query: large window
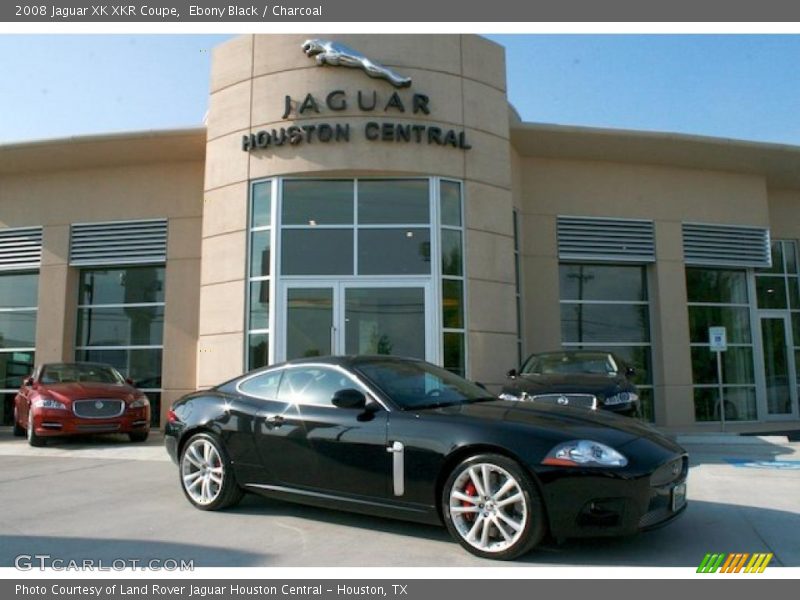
[
  {"x": 452, "y": 250},
  {"x": 18, "y": 302},
  {"x": 344, "y": 227},
  {"x": 391, "y": 233},
  {"x": 719, "y": 297},
  {"x": 778, "y": 288},
  {"x": 607, "y": 307},
  {"x": 518, "y": 285},
  {"x": 121, "y": 322},
  {"x": 260, "y": 274}
]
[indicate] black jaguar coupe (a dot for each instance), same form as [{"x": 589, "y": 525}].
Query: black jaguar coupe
[{"x": 403, "y": 438}]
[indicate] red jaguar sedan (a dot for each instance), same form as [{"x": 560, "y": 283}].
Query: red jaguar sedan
[{"x": 79, "y": 398}]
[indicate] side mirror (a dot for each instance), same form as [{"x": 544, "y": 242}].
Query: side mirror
[
  {"x": 28, "y": 382},
  {"x": 349, "y": 398},
  {"x": 630, "y": 372},
  {"x": 129, "y": 381},
  {"x": 512, "y": 374}
]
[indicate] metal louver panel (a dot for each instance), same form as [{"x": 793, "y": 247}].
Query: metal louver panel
[
  {"x": 607, "y": 240},
  {"x": 726, "y": 245},
  {"x": 118, "y": 242},
  {"x": 20, "y": 248}
]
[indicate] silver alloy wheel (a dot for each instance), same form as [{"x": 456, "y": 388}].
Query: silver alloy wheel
[
  {"x": 202, "y": 472},
  {"x": 488, "y": 507}
]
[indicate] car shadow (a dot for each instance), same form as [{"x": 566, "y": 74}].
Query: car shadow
[
  {"x": 253, "y": 504},
  {"x": 156, "y": 438},
  {"x": 80, "y": 549},
  {"x": 705, "y": 527}
]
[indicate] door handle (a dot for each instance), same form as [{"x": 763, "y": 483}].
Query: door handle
[{"x": 275, "y": 420}]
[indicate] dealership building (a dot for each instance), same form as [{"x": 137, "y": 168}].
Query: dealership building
[{"x": 388, "y": 199}]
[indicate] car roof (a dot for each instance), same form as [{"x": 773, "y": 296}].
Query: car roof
[
  {"x": 347, "y": 360},
  {"x": 77, "y": 363}
]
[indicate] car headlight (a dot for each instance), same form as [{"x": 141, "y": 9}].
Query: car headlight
[
  {"x": 584, "y": 453},
  {"x": 49, "y": 403},
  {"x": 621, "y": 398},
  {"x": 140, "y": 402}
]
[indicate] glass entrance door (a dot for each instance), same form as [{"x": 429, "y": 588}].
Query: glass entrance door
[
  {"x": 382, "y": 317},
  {"x": 779, "y": 377}
]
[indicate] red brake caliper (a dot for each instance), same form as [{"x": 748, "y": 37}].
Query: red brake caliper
[{"x": 469, "y": 490}]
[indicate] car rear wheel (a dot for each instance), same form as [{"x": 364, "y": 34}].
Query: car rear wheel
[
  {"x": 34, "y": 440},
  {"x": 19, "y": 430},
  {"x": 206, "y": 475},
  {"x": 492, "y": 507},
  {"x": 138, "y": 436}
]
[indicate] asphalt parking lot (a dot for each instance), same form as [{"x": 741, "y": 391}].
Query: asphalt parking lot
[{"x": 104, "y": 498}]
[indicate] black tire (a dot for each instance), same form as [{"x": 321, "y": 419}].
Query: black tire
[
  {"x": 19, "y": 430},
  {"x": 138, "y": 436},
  {"x": 527, "y": 512},
  {"x": 228, "y": 493},
  {"x": 34, "y": 440}
]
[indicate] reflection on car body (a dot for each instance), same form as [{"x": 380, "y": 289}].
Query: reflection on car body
[{"x": 578, "y": 378}]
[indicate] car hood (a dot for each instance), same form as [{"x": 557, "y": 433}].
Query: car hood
[
  {"x": 66, "y": 392},
  {"x": 603, "y": 385},
  {"x": 558, "y": 422}
]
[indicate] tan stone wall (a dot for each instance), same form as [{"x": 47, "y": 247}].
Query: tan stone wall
[
  {"x": 784, "y": 214},
  {"x": 464, "y": 76},
  {"x": 669, "y": 196},
  {"x": 55, "y": 199}
]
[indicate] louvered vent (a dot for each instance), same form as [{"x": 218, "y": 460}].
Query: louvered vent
[
  {"x": 607, "y": 240},
  {"x": 118, "y": 242},
  {"x": 725, "y": 245},
  {"x": 20, "y": 248}
]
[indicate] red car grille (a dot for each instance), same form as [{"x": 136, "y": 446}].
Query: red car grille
[{"x": 100, "y": 408}]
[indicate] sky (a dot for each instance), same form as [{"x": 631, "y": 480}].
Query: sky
[{"x": 737, "y": 86}]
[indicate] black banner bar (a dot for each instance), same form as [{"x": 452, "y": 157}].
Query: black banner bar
[
  {"x": 390, "y": 589},
  {"x": 319, "y": 11}
]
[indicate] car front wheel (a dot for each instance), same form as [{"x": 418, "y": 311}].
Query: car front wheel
[
  {"x": 34, "y": 440},
  {"x": 138, "y": 436},
  {"x": 206, "y": 475},
  {"x": 19, "y": 430},
  {"x": 492, "y": 507}
]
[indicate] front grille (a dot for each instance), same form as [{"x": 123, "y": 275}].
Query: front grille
[
  {"x": 107, "y": 428},
  {"x": 579, "y": 400},
  {"x": 99, "y": 408}
]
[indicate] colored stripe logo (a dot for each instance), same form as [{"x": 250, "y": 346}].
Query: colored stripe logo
[{"x": 735, "y": 562}]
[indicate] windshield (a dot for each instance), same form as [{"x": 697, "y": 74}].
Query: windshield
[
  {"x": 74, "y": 373},
  {"x": 414, "y": 385},
  {"x": 570, "y": 363}
]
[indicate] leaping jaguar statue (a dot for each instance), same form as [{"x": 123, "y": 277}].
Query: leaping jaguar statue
[{"x": 338, "y": 55}]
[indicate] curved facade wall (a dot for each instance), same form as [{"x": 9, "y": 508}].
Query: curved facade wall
[{"x": 458, "y": 85}]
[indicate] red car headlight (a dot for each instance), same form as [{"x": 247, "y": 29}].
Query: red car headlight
[
  {"x": 49, "y": 403},
  {"x": 140, "y": 402}
]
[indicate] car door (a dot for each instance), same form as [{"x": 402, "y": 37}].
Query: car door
[{"x": 309, "y": 443}]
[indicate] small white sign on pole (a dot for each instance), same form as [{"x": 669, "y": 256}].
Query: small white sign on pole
[{"x": 717, "y": 339}]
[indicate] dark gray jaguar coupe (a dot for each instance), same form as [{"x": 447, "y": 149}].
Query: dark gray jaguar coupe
[{"x": 406, "y": 439}]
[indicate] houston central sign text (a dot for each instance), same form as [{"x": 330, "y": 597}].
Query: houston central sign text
[{"x": 313, "y": 130}]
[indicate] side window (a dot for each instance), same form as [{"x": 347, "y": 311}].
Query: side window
[
  {"x": 313, "y": 385},
  {"x": 262, "y": 386}
]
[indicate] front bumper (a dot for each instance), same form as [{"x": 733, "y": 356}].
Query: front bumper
[
  {"x": 48, "y": 422},
  {"x": 582, "y": 504}
]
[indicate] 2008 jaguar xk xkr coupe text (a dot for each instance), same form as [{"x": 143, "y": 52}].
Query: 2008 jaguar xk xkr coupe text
[{"x": 404, "y": 438}]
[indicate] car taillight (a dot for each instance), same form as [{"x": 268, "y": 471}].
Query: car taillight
[{"x": 172, "y": 417}]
